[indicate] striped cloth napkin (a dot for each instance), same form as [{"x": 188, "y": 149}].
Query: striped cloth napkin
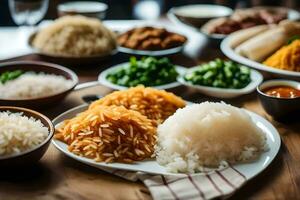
[{"x": 188, "y": 187}]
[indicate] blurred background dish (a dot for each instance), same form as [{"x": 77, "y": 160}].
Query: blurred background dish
[
  {"x": 72, "y": 38},
  {"x": 150, "y": 41},
  {"x": 253, "y": 48},
  {"x": 278, "y": 105},
  {"x": 198, "y": 14},
  {"x": 69, "y": 61},
  {"x": 26, "y": 155},
  {"x": 219, "y": 27},
  {"x": 39, "y": 67},
  {"x": 86, "y": 8}
]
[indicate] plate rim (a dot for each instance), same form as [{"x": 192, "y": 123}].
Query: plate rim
[
  {"x": 103, "y": 81},
  {"x": 274, "y": 132},
  {"x": 163, "y": 52}
]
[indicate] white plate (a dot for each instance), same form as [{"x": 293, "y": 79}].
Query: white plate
[
  {"x": 151, "y": 166},
  {"x": 164, "y": 52},
  {"x": 256, "y": 79},
  {"x": 102, "y": 78},
  {"x": 226, "y": 47}
]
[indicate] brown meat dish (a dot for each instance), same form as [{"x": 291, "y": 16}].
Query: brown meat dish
[
  {"x": 246, "y": 18},
  {"x": 150, "y": 38}
]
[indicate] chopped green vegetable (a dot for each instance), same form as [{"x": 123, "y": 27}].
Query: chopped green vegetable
[
  {"x": 221, "y": 74},
  {"x": 293, "y": 38},
  {"x": 10, "y": 75},
  {"x": 148, "y": 71}
]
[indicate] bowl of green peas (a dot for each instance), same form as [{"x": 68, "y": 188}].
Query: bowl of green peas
[
  {"x": 154, "y": 72},
  {"x": 221, "y": 78}
]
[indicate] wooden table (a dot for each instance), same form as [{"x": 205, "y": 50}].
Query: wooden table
[{"x": 59, "y": 177}]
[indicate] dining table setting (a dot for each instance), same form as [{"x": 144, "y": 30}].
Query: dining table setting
[{"x": 202, "y": 102}]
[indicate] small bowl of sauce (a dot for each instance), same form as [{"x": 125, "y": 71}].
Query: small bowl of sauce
[
  {"x": 282, "y": 91},
  {"x": 280, "y": 98}
]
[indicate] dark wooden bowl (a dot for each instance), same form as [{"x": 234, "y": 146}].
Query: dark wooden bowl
[
  {"x": 38, "y": 67},
  {"x": 281, "y": 109},
  {"x": 31, "y": 156}
]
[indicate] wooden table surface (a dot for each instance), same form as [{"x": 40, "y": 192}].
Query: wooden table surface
[{"x": 59, "y": 177}]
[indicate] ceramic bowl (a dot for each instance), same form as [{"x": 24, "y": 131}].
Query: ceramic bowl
[
  {"x": 35, "y": 66},
  {"x": 256, "y": 79},
  {"x": 198, "y": 14},
  {"x": 31, "y": 156},
  {"x": 87, "y": 8},
  {"x": 282, "y": 109}
]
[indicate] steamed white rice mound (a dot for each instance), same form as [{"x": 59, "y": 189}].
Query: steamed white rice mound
[
  {"x": 19, "y": 133},
  {"x": 202, "y": 137},
  {"x": 32, "y": 85},
  {"x": 75, "y": 36}
]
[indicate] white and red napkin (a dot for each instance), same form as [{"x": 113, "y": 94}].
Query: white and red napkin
[{"x": 187, "y": 186}]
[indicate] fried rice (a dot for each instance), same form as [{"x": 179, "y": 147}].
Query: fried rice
[
  {"x": 109, "y": 134},
  {"x": 156, "y": 105}
]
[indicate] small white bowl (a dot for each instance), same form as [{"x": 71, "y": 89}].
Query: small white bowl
[
  {"x": 198, "y": 14},
  {"x": 256, "y": 79},
  {"x": 102, "y": 78},
  {"x": 87, "y": 8}
]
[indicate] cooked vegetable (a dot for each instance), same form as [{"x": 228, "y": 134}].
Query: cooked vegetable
[
  {"x": 221, "y": 74},
  {"x": 148, "y": 71},
  {"x": 10, "y": 75},
  {"x": 292, "y": 39},
  {"x": 286, "y": 58}
]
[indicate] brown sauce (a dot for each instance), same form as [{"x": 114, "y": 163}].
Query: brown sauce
[{"x": 282, "y": 92}]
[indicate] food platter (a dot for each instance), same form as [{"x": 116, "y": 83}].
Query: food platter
[
  {"x": 151, "y": 166},
  {"x": 102, "y": 78},
  {"x": 226, "y": 47},
  {"x": 256, "y": 79},
  {"x": 175, "y": 20}
]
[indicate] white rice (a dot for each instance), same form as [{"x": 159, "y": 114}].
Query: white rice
[
  {"x": 32, "y": 85},
  {"x": 75, "y": 36},
  {"x": 206, "y": 136},
  {"x": 19, "y": 133}
]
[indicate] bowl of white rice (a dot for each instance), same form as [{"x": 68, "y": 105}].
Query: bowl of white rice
[
  {"x": 39, "y": 84},
  {"x": 24, "y": 136},
  {"x": 74, "y": 40}
]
